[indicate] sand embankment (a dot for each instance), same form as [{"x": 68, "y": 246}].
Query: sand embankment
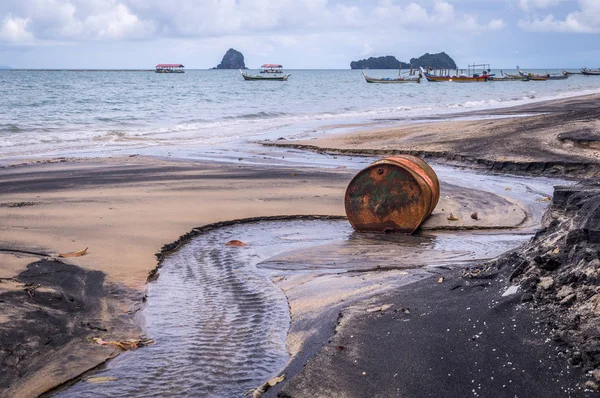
[{"x": 564, "y": 140}]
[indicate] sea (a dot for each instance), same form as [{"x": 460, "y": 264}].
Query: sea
[{"x": 216, "y": 114}]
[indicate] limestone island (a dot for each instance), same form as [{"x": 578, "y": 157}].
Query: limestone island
[
  {"x": 232, "y": 59},
  {"x": 436, "y": 61}
]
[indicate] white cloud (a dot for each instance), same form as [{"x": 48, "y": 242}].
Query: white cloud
[
  {"x": 584, "y": 20},
  {"x": 15, "y": 29},
  {"x": 81, "y": 20},
  {"x": 528, "y": 5},
  {"x": 496, "y": 24}
]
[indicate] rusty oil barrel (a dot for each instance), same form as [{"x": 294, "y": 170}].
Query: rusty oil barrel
[{"x": 395, "y": 194}]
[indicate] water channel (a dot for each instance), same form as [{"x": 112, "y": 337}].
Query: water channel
[{"x": 220, "y": 321}]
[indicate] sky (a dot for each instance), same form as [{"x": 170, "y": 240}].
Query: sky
[{"x": 300, "y": 34}]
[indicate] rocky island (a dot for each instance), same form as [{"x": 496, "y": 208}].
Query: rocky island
[
  {"x": 438, "y": 61},
  {"x": 232, "y": 59}
]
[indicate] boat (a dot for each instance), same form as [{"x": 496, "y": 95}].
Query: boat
[
  {"x": 558, "y": 76},
  {"x": 590, "y": 72},
  {"x": 269, "y": 72},
  {"x": 470, "y": 77},
  {"x": 509, "y": 78},
  {"x": 170, "y": 68},
  {"x": 568, "y": 72},
  {"x": 533, "y": 77},
  {"x": 398, "y": 79}
]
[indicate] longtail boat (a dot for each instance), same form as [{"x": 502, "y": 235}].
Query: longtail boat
[
  {"x": 461, "y": 78},
  {"x": 509, "y": 78},
  {"x": 558, "y": 76},
  {"x": 568, "y": 72},
  {"x": 590, "y": 72},
  {"x": 532, "y": 77},
  {"x": 269, "y": 72},
  {"x": 399, "y": 79}
]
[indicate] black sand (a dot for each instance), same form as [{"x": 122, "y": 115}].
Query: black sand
[
  {"x": 458, "y": 338},
  {"x": 55, "y": 315}
]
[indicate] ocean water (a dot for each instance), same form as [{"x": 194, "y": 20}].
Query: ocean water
[{"x": 66, "y": 113}]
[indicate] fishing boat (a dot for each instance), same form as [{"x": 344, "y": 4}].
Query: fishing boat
[
  {"x": 558, "y": 76},
  {"x": 532, "y": 77},
  {"x": 469, "y": 77},
  {"x": 170, "y": 68},
  {"x": 509, "y": 78},
  {"x": 590, "y": 72},
  {"x": 268, "y": 72},
  {"x": 398, "y": 79}
]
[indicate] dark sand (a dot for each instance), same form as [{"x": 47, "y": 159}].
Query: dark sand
[
  {"x": 458, "y": 338},
  {"x": 563, "y": 141}
]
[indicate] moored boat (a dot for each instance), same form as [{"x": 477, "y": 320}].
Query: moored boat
[
  {"x": 509, "y": 78},
  {"x": 399, "y": 79},
  {"x": 268, "y": 72},
  {"x": 557, "y": 76},
  {"x": 264, "y": 77},
  {"x": 170, "y": 68},
  {"x": 532, "y": 76},
  {"x": 590, "y": 72},
  {"x": 469, "y": 77}
]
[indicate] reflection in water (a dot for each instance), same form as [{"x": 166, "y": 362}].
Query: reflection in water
[{"x": 219, "y": 322}]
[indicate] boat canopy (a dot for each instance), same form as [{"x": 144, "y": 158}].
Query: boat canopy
[
  {"x": 271, "y": 66},
  {"x": 170, "y": 66}
]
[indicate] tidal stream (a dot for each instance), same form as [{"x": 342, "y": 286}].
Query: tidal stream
[{"x": 219, "y": 320}]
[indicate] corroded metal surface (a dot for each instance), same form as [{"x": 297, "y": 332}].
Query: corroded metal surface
[{"x": 395, "y": 194}]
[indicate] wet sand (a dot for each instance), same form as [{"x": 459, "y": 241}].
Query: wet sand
[
  {"x": 563, "y": 141},
  {"x": 125, "y": 209}
]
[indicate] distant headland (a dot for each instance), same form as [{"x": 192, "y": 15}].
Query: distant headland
[
  {"x": 232, "y": 59},
  {"x": 5, "y": 67},
  {"x": 438, "y": 61}
]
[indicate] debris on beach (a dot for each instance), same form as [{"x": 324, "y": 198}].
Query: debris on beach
[
  {"x": 441, "y": 280},
  {"x": 392, "y": 195},
  {"x": 475, "y": 216},
  {"x": 74, "y": 254},
  {"x": 236, "y": 243},
  {"x": 508, "y": 189},
  {"x": 380, "y": 308},
  {"x": 125, "y": 345},
  {"x": 510, "y": 291},
  {"x": 258, "y": 392},
  {"x": 30, "y": 288},
  {"x": 544, "y": 199},
  {"x": 452, "y": 217}
]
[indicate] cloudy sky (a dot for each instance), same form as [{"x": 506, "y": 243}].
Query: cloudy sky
[{"x": 297, "y": 33}]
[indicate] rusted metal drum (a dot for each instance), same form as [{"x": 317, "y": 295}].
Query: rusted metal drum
[{"x": 395, "y": 194}]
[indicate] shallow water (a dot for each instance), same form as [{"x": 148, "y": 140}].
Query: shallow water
[
  {"x": 63, "y": 113},
  {"x": 219, "y": 322}
]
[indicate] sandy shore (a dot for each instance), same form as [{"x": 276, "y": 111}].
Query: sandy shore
[
  {"x": 563, "y": 141},
  {"x": 125, "y": 209}
]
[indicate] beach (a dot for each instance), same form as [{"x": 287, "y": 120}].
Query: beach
[{"x": 125, "y": 209}]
